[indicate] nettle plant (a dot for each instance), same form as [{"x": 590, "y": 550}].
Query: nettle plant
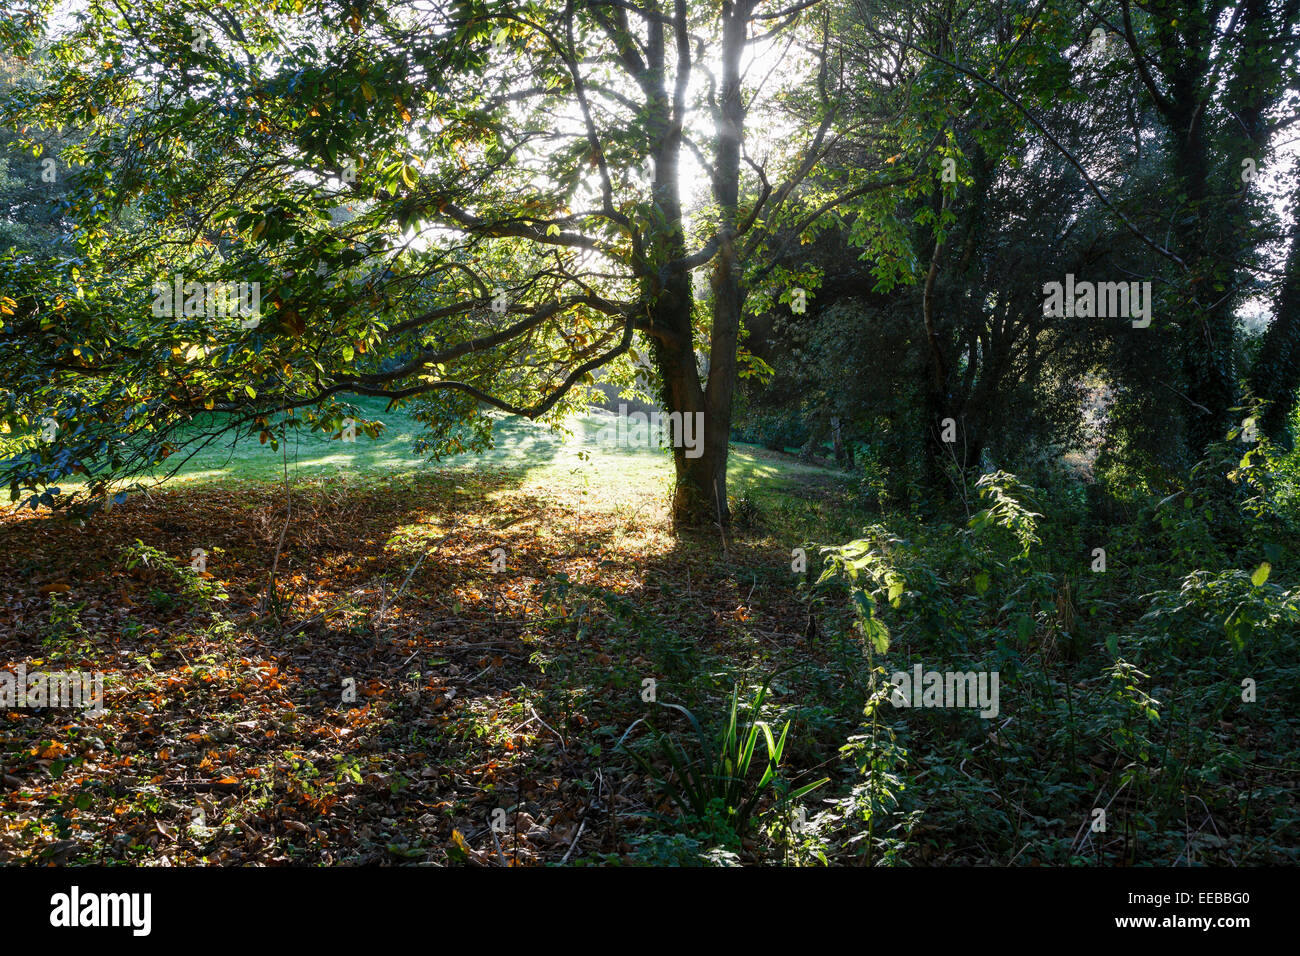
[
  {"x": 1005, "y": 538},
  {"x": 1006, "y": 499},
  {"x": 1232, "y": 507},
  {"x": 859, "y": 822},
  {"x": 186, "y": 577},
  {"x": 871, "y": 578},
  {"x": 913, "y": 576},
  {"x": 1241, "y": 607}
]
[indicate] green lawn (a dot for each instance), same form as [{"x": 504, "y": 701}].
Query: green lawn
[{"x": 534, "y": 454}]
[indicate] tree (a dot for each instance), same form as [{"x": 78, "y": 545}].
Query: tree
[
  {"x": 512, "y": 177},
  {"x": 1275, "y": 376},
  {"x": 1217, "y": 74}
]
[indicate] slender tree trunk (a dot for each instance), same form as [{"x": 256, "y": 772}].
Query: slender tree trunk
[
  {"x": 938, "y": 405},
  {"x": 1276, "y": 374}
]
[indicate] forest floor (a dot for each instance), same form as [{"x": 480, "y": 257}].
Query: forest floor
[
  {"x": 407, "y": 686},
  {"x": 501, "y": 660}
]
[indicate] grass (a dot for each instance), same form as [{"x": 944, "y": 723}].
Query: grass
[{"x": 573, "y": 455}]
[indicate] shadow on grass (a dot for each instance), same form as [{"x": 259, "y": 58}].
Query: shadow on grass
[{"x": 485, "y": 684}]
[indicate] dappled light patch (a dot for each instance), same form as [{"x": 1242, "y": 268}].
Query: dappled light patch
[{"x": 227, "y": 736}]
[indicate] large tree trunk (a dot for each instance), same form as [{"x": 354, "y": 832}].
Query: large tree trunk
[
  {"x": 1209, "y": 331},
  {"x": 669, "y": 292},
  {"x": 701, "y": 495},
  {"x": 675, "y": 355},
  {"x": 1211, "y": 238}
]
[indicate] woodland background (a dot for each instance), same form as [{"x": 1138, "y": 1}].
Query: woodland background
[{"x": 479, "y": 633}]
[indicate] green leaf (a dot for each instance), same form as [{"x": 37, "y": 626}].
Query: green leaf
[
  {"x": 410, "y": 853},
  {"x": 1261, "y": 574},
  {"x": 1238, "y": 628},
  {"x": 876, "y": 632},
  {"x": 897, "y": 585}
]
